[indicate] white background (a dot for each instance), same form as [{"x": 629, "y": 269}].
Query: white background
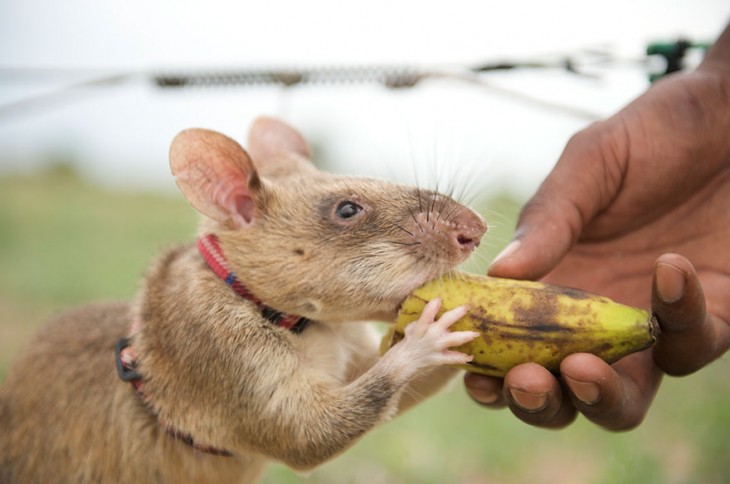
[{"x": 441, "y": 131}]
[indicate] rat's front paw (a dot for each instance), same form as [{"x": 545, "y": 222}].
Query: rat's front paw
[{"x": 427, "y": 340}]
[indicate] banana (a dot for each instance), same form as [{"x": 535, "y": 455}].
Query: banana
[{"x": 524, "y": 321}]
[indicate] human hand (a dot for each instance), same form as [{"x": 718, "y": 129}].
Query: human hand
[
  {"x": 626, "y": 194},
  {"x": 618, "y": 396}
]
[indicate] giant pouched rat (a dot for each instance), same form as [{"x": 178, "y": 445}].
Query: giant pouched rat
[{"x": 250, "y": 346}]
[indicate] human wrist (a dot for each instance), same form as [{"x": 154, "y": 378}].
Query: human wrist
[
  {"x": 718, "y": 69},
  {"x": 712, "y": 96},
  {"x": 717, "y": 59},
  {"x": 720, "y": 49}
]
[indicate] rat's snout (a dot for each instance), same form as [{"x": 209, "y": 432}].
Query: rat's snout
[
  {"x": 444, "y": 230},
  {"x": 469, "y": 228}
]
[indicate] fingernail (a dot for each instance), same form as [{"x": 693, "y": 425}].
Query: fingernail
[
  {"x": 587, "y": 392},
  {"x": 531, "y": 402},
  {"x": 507, "y": 252},
  {"x": 486, "y": 397},
  {"x": 669, "y": 283},
  {"x": 482, "y": 392}
]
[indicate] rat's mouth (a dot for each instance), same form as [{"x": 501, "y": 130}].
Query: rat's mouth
[
  {"x": 396, "y": 303},
  {"x": 411, "y": 286}
]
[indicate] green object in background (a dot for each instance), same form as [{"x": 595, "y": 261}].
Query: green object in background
[{"x": 674, "y": 54}]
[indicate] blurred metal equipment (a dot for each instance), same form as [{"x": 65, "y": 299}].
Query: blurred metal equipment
[{"x": 393, "y": 77}]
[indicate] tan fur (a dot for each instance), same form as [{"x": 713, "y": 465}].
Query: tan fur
[{"x": 213, "y": 367}]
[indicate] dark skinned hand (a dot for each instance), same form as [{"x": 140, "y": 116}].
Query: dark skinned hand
[{"x": 626, "y": 198}]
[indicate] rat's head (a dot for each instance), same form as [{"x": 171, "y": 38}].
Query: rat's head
[{"x": 326, "y": 247}]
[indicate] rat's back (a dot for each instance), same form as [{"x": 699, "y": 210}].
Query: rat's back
[{"x": 59, "y": 396}]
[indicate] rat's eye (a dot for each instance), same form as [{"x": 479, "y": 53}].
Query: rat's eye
[{"x": 347, "y": 209}]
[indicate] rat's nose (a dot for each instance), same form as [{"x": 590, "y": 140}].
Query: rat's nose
[
  {"x": 446, "y": 230},
  {"x": 470, "y": 227},
  {"x": 468, "y": 236},
  {"x": 466, "y": 242}
]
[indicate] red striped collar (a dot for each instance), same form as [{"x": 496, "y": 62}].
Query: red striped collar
[
  {"x": 210, "y": 249},
  {"x": 126, "y": 357}
]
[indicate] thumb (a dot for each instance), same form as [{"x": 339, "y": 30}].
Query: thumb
[
  {"x": 690, "y": 337},
  {"x": 554, "y": 218},
  {"x": 546, "y": 231}
]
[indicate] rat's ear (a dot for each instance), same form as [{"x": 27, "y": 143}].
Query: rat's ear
[
  {"x": 215, "y": 175},
  {"x": 277, "y": 149}
]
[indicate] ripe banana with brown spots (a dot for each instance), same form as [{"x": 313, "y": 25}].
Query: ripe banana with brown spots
[{"x": 524, "y": 321}]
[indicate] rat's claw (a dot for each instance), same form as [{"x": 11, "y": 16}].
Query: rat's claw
[
  {"x": 452, "y": 316},
  {"x": 451, "y": 357},
  {"x": 430, "y": 311},
  {"x": 428, "y": 340},
  {"x": 458, "y": 338}
]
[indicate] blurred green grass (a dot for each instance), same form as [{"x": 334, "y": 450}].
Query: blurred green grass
[{"x": 64, "y": 242}]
